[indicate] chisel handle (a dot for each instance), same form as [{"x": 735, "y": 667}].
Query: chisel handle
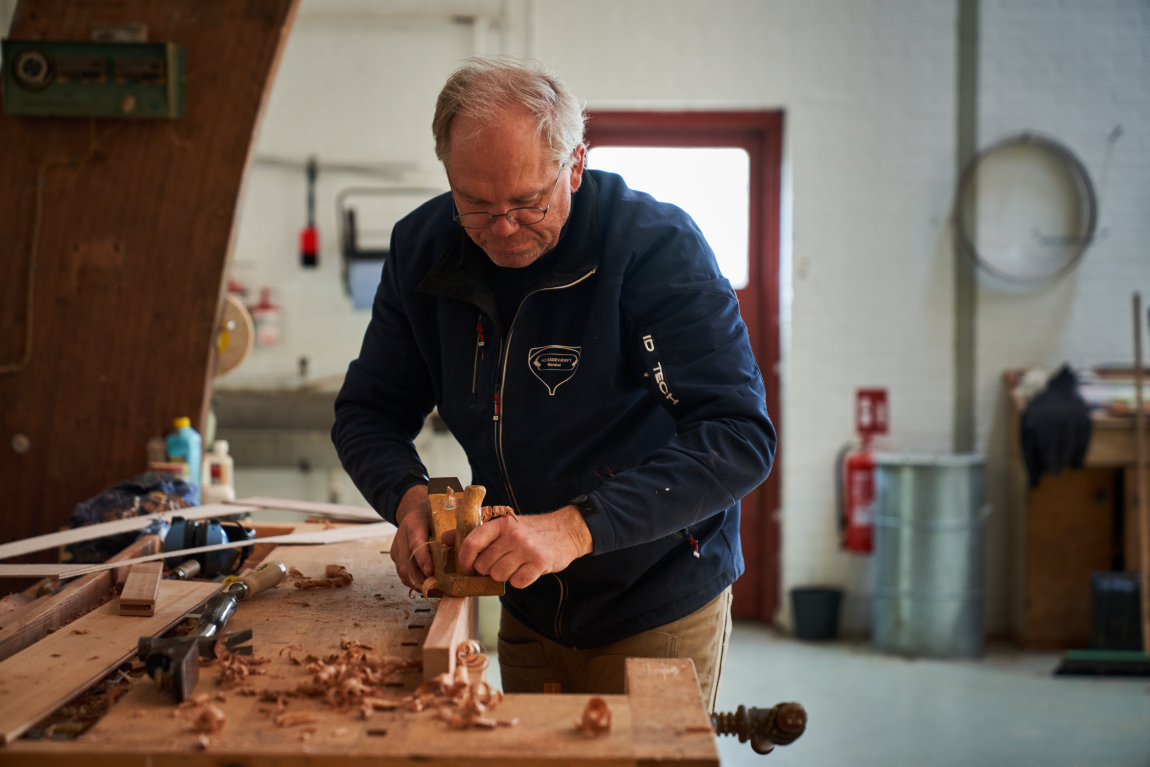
[
  {"x": 467, "y": 515},
  {"x": 266, "y": 576}
]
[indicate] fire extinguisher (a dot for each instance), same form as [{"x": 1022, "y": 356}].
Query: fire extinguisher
[{"x": 855, "y": 491}]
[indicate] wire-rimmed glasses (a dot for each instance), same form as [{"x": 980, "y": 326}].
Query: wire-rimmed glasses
[{"x": 517, "y": 216}]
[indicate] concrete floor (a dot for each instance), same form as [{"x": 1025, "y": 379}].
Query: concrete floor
[{"x": 866, "y": 708}]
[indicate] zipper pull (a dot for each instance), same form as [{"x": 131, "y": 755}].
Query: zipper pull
[
  {"x": 692, "y": 541},
  {"x": 479, "y": 329},
  {"x": 496, "y": 417}
]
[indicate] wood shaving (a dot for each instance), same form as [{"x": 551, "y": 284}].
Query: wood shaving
[
  {"x": 203, "y": 742},
  {"x": 294, "y": 573},
  {"x": 205, "y": 717},
  {"x": 488, "y": 513},
  {"x": 337, "y": 577},
  {"x": 81, "y": 631},
  {"x": 596, "y": 718},
  {"x": 235, "y": 669},
  {"x": 470, "y": 655}
]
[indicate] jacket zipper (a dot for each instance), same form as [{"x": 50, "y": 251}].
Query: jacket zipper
[
  {"x": 478, "y": 350},
  {"x": 559, "y": 609},
  {"x": 504, "y": 349}
]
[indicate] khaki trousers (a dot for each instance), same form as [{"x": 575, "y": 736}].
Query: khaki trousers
[{"x": 528, "y": 661}]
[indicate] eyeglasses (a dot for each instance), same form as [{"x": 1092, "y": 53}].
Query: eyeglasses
[{"x": 518, "y": 216}]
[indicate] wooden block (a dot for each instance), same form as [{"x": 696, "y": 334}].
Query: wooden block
[
  {"x": 668, "y": 715},
  {"x": 46, "y": 675},
  {"x": 450, "y": 626},
  {"x": 455, "y": 584},
  {"x": 138, "y": 598}
]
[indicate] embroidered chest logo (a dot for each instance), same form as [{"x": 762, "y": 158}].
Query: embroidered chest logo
[{"x": 554, "y": 365}]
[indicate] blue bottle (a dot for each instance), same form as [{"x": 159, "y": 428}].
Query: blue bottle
[{"x": 186, "y": 446}]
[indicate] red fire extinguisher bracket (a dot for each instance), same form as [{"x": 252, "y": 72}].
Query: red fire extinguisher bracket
[{"x": 872, "y": 414}]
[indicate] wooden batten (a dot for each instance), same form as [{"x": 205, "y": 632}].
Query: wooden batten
[{"x": 138, "y": 598}]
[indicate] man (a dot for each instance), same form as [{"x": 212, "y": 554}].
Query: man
[{"x": 582, "y": 346}]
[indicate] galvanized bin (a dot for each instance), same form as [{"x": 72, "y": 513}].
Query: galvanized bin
[{"x": 929, "y": 554}]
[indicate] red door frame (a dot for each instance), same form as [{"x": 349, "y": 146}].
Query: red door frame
[{"x": 756, "y": 594}]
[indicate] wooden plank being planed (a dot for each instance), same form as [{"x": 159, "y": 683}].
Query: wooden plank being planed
[
  {"x": 138, "y": 599},
  {"x": 41, "y": 678},
  {"x": 450, "y": 626}
]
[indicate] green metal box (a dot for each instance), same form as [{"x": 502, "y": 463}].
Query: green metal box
[{"x": 81, "y": 79}]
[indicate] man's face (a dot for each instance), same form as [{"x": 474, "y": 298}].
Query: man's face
[{"x": 494, "y": 170}]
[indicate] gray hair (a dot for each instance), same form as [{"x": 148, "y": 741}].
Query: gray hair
[{"x": 485, "y": 87}]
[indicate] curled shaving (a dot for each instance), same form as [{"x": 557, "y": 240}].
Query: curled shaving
[{"x": 596, "y": 718}]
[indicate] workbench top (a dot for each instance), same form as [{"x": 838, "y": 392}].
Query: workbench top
[{"x": 662, "y": 717}]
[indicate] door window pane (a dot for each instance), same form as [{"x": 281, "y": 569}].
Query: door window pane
[{"x": 713, "y": 184}]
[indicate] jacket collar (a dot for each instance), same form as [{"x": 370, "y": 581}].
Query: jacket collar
[{"x": 461, "y": 271}]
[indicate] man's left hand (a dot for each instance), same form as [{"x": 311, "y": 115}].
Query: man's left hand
[{"x": 517, "y": 550}]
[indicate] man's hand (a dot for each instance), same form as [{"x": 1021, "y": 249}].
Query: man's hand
[
  {"x": 414, "y": 530},
  {"x": 517, "y": 550}
]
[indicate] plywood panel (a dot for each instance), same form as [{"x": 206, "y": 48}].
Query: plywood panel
[{"x": 124, "y": 227}]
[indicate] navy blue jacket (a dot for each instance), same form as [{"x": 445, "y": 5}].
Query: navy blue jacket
[{"x": 626, "y": 375}]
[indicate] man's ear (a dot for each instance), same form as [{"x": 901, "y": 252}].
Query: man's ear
[{"x": 577, "y": 167}]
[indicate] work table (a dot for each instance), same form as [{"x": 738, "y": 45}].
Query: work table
[{"x": 662, "y": 717}]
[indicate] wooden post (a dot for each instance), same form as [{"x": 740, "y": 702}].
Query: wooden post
[{"x": 1140, "y": 463}]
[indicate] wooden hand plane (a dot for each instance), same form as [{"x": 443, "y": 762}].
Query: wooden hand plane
[{"x": 459, "y": 512}]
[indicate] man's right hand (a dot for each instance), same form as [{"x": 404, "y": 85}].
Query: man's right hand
[{"x": 414, "y": 531}]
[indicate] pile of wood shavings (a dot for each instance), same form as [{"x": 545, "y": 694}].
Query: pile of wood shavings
[
  {"x": 596, "y": 718},
  {"x": 235, "y": 669},
  {"x": 337, "y": 577},
  {"x": 351, "y": 680}
]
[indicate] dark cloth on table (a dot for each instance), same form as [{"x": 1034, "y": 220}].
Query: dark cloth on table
[{"x": 1055, "y": 428}]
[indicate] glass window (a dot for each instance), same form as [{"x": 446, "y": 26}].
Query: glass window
[{"x": 711, "y": 183}]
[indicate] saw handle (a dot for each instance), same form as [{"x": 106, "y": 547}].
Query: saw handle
[{"x": 266, "y": 576}]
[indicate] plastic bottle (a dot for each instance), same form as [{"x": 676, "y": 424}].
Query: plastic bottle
[
  {"x": 185, "y": 446},
  {"x": 219, "y": 475}
]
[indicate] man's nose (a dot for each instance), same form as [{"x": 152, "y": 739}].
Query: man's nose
[{"x": 503, "y": 227}]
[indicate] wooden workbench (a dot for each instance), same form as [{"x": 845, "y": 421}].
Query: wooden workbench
[
  {"x": 661, "y": 719},
  {"x": 1065, "y": 529}
]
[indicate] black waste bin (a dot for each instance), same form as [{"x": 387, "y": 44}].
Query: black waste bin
[{"x": 816, "y": 610}]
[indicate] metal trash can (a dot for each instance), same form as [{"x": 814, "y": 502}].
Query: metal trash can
[{"x": 929, "y": 554}]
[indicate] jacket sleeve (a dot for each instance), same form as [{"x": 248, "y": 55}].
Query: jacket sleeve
[
  {"x": 690, "y": 348},
  {"x": 385, "y": 398}
]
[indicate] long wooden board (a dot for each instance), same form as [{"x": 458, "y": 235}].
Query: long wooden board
[
  {"x": 38, "y": 680},
  {"x": 330, "y": 510},
  {"x": 316, "y": 538},
  {"x": 104, "y": 529},
  {"x": 116, "y": 236}
]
